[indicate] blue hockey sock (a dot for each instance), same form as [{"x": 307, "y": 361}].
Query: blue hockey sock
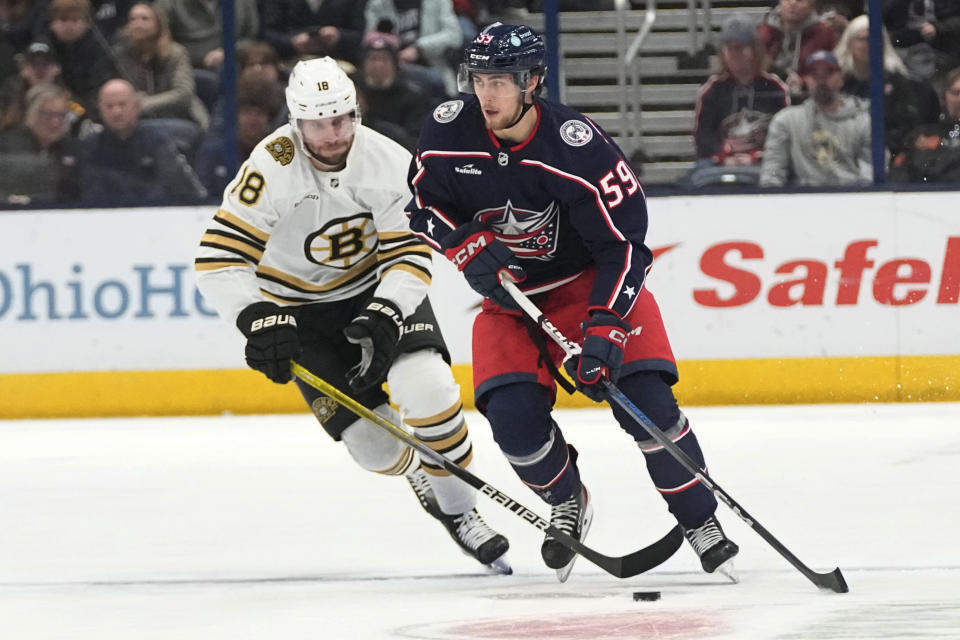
[
  {"x": 533, "y": 444},
  {"x": 689, "y": 501}
]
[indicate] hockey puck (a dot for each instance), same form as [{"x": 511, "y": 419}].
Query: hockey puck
[{"x": 646, "y": 595}]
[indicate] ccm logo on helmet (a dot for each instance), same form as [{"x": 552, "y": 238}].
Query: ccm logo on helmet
[{"x": 269, "y": 321}]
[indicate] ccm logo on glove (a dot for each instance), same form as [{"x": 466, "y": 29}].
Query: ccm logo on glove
[
  {"x": 618, "y": 336},
  {"x": 473, "y": 245},
  {"x": 271, "y": 321}
]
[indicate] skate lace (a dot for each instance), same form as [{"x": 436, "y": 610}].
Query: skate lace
[
  {"x": 472, "y": 530},
  {"x": 704, "y": 536},
  {"x": 564, "y": 516},
  {"x": 421, "y": 485}
]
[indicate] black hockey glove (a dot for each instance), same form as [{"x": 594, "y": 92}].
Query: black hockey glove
[
  {"x": 482, "y": 258},
  {"x": 605, "y": 337},
  {"x": 272, "y": 340},
  {"x": 377, "y": 331}
]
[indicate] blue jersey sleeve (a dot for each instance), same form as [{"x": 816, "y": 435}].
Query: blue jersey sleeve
[
  {"x": 431, "y": 211},
  {"x": 609, "y": 212}
]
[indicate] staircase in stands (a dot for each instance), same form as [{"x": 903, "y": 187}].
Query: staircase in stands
[{"x": 669, "y": 77}]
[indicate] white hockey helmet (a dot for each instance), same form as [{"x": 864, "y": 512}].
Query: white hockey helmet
[{"x": 319, "y": 88}]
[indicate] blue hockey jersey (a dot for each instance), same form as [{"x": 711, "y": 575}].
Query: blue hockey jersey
[{"x": 562, "y": 200}]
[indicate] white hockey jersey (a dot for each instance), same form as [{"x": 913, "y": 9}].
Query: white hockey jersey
[{"x": 291, "y": 234}]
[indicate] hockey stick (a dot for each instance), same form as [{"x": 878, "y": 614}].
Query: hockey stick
[
  {"x": 621, "y": 567},
  {"x": 832, "y": 581}
]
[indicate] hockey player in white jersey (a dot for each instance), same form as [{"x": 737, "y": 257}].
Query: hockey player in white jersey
[{"x": 311, "y": 256}]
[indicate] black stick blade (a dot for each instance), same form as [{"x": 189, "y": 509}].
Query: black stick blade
[
  {"x": 832, "y": 581},
  {"x": 651, "y": 556}
]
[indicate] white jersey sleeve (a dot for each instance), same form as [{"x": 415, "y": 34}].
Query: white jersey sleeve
[{"x": 233, "y": 245}]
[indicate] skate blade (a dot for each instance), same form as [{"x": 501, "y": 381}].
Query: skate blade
[
  {"x": 727, "y": 570},
  {"x": 501, "y": 566},
  {"x": 564, "y": 572}
]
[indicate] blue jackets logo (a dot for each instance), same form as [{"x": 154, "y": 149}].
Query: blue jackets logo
[
  {"x": 447, "y": 111},
  {"x": 576, "y": 133},
  {"x": 529, "y": 234}
]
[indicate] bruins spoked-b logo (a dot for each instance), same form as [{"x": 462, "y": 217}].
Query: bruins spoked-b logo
[
  {"x": 343, "y": 242},
  {"x": 281, "y": 149},
  {"x": 324, "y": 408}
]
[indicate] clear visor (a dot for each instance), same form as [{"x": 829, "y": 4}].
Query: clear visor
[
  {"x": 327, "y": 139},
  {"x": 333, "y": 128},
  {"x": 504, "y": 84}
]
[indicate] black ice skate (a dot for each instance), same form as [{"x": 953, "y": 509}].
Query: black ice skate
[
  {"x": 716, "y": 551},
  {"x": 477, "y": 539},
  {"x": 468, "y": 530},
  {"x": 573, "y": 517}
]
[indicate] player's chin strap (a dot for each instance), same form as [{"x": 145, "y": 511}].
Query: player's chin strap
[
  {"x": 622, "y": 567},
  {"x": 523, "y": 111},
  {"x": 832, "y": 581},
  {"x": 528, "y": 105}
]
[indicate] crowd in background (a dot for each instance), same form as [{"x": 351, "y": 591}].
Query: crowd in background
[
  {"x": 118, "y": 101},
  {"x": 790, "y": 102}
]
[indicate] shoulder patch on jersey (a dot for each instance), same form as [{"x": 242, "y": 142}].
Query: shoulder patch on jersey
[
  {"x": 447, "y": 111},
  {"x": 576, "y": 133},
  {"x": 281, "y": 149}
]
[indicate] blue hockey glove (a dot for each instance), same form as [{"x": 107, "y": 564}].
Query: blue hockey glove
[
  {"x": 377, "y": 330},
  {"x": 272, "y": 339},
  {"x": 605, "y": 337},
  {"x": 482, "y": 258}
]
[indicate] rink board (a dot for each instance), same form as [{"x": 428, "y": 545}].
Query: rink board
[{"x": 767, "y": 299}]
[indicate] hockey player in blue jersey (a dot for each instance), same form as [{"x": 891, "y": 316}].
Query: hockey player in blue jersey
[{"x": 504, "y": 181}]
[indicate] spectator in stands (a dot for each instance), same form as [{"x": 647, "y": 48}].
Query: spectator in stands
[
  {"x": 932, "y": 151},
  {"x": 39, "y": 157},
  {"x": 790, "y": 32},
  {"x": 257, "y": 107},
  {"x": 825, "y": 140},
  {"x": 908, "y": 103},
  {"x": 430, "y": 40},
  {"x": 838, "y": 13},
  {"x": 309, "y": 28},
  {"x": 85, "y": 60},
  {"x": 735, "y": 105},
  {"x": 128, "y": 163},
  {"x": 108, "y": 16},
  {"x": 468, "y": 15},
  {"x": 196, "y": 25},
  {"x": 389, "y": 97},
  {"x": 926, "y": 32},
  {"x": 160, "y": 70},
  {"x": 36, "y": 66},
  {"x": 17, "y": 27},
  {"x": 258, "y": 61}
]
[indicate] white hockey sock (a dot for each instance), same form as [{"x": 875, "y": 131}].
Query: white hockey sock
[{"x": 429, "y": 398}]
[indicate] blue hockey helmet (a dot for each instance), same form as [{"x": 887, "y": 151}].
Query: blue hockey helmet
[{"x": 504, "y": 48}]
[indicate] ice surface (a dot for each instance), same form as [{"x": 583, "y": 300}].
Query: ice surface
[{"x": 260, "y": 527}]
